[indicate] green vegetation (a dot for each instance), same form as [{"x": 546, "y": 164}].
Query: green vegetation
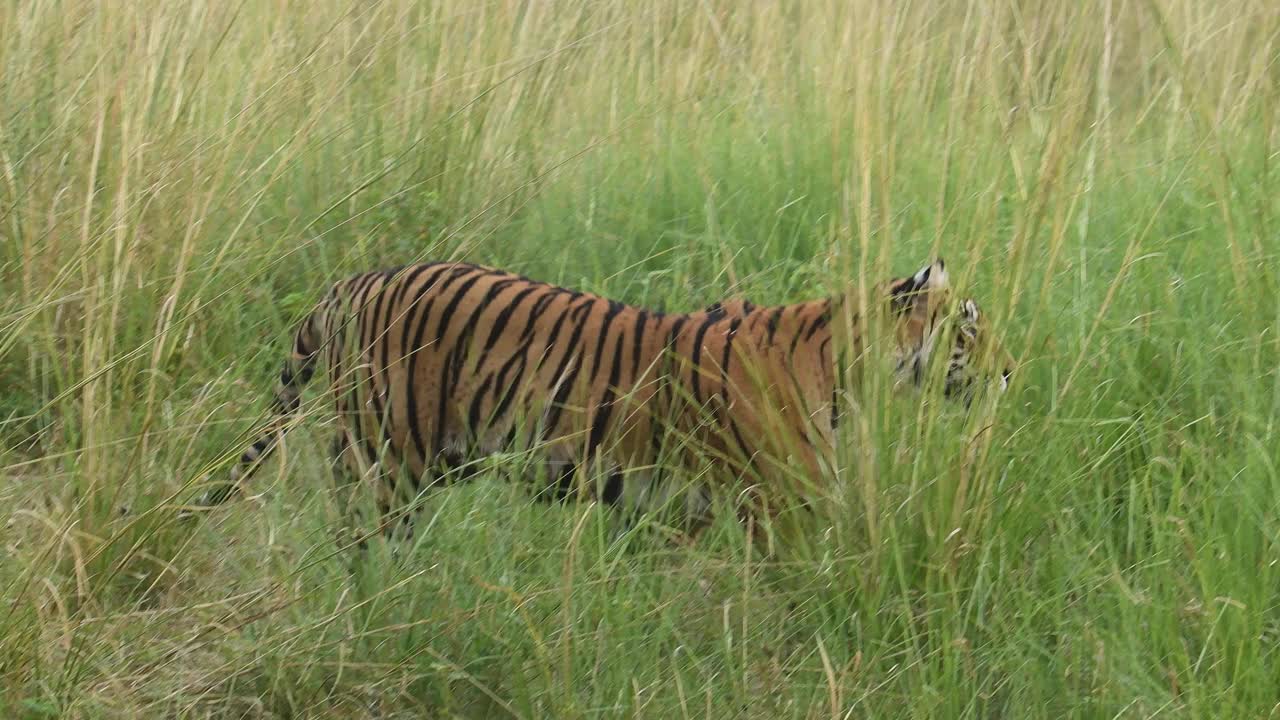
[{"x": 179, "y": 181}]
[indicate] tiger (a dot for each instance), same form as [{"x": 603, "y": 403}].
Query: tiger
[{"x": 432, "y": 367}]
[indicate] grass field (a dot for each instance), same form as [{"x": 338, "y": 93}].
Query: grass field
[{"x": 179, "y": 181}]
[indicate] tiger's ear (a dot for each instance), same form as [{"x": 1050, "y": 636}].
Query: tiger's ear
[
  {"x": 904, "y": 292},
  {"x": 968, "y": 317}
]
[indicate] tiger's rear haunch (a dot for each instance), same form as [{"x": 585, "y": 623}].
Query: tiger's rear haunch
[{"x": 434, "y": 366}]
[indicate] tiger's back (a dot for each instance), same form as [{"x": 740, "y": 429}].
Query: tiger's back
[{"x": 435, "y": 365}]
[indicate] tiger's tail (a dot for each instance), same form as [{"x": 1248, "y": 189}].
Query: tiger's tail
[{"x": 295, "y": 373}]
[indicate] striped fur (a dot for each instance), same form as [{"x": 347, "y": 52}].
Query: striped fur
[{"x": 433, "y": 366}]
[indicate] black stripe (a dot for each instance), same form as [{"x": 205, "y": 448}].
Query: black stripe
[
  {"x": 415, "y": 348},
  {"x": 354, "y": 308},
  {"x": 369, "y": 316},
  {"x": 488, "y": 299},
  {"x": 612, "y": 488},
  {"x": 539, "y": 307},
  {"x": 473, "y": 413},
  {"x": 346, "y": 286},
  {"x": 672, "y": 347},
  {"x": 411, "y": 352},
  {"x": 501, "y": 410},
  {"x": 725, "y": 399},
  {"x": 566, "y": 386},
  {"x": 601, "y": 421},
  {"x": 305, "y": 330},
  {"x": 673, "y": 336},
  {"x": 360, "y": 305},
  {"x": 663, "y": 398},
  {"x": 335, "y": 364},
  {"x": 696, "y": 360},
  {"x": 796, "y": 339},
  {"x": 285, "y": 401},
  {"x": 446, "y": 316},
  {"x": 452, "y": 366},
  {"x": 397, "y": 297},
  {"x": 421, "y": 312},
  {"x": 521, "y": 356},
  {"x": 333, "y": 330},
  {"x": 737, "y": 437},
  {"x": 380, "y": 412},
  {"x": 416, "y": 305},
  {"x": 380, "y": 357},
  {"x": 407, "y": 280},
  {"x": 509, "y": 440},
  {"x": 820, "y": 321},
  {"x": 837, "y": 380},
  {"x": 605, "y": 324},
  {"x": 353, "y": 410},
  {"x": 461, "y": 349},
  {"x": 329, "y": 310},
  {"x": 637, "y": 343},
  {"x": 500, "y": 322},
  {"x": 797, "y": 387},
  {"x": 773, "y": 321},
  {"x": 358, "y": 290},
  {"x": 462, "y": 344},
  {"x": 306, "y": 369},
  {"x": 902, "y": 294},
  {"x": 299, "y": 337},
  {"x": 442, "y": 405},
  {"x": 581, "y": 315},
  {"x": 376, "y": 326},
  {"x": 457, "y": 357},
  {"x": 569, "y": 312},
  {"x": 725, "y": 359},
  {"x": 366, "y": 318},
  {"x": 389, "y": 275}
]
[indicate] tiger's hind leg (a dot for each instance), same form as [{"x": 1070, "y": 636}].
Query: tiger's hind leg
[
  {"x": 562, "y": 483},
  {"x": 346, "y": 480},
  {"x": 362, "y": 478},
  {"x": 367, "y": 479},
  {"x": 559, "y": 483}
]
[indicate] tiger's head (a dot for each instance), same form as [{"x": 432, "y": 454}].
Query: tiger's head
[
  {"x": 923, "y": 313},
  {"x": 975, "y": 352}
]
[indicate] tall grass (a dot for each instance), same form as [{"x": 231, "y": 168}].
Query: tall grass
[{"x": 178, "y": 181}]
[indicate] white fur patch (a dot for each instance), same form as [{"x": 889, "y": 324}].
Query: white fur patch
[{"x": 931, "y": 276}]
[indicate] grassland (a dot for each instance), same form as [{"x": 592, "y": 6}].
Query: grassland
[{"x": 179, "y": 180}]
